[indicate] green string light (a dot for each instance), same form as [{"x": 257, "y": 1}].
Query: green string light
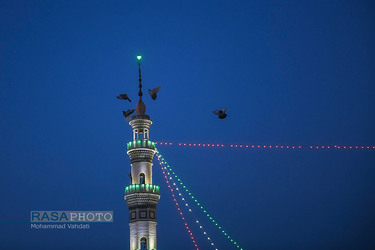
[
  {"x": 166, "y": 172},
  {"x": 161, "y": 159}
]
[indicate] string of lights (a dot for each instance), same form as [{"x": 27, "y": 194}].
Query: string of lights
[
  {"x": 179, "y": 210},
  {"x": 161, "y": 158},
  {"x": 165, "y": 170},
  {"x": 250, "y": 146}
]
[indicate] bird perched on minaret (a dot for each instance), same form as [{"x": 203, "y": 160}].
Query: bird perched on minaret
[
  {"x": 127, "y": 113},
  {"x": 124, "y": 97},
  {"x": 220, "y": 113},
  {"x": 153, "y": 92}
]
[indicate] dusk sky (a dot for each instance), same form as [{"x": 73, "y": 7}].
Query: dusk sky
[{"x": 288, "y": 72}]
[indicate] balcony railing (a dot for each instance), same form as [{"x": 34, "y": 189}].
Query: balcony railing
[
  {"x": 140, "y": 144},
  {"x": 142, "y": 188}
]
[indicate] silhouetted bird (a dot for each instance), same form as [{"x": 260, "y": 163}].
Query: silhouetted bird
[
  {"x": 153, "y": 92},
  {"x": 124, "y": 97},
  {"x": 221, "y": 113},
  {"x": 127, "y": 113}
]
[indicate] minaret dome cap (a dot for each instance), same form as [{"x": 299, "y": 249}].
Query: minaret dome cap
[{"x": 140, "y": 109}]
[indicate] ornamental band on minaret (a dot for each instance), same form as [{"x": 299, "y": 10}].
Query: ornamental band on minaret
[{"x": 141, "y": 196}]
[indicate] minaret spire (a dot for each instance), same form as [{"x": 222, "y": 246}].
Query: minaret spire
[
  {"x": 140, "y": 78},
  {"x": 140, "y": 109}
]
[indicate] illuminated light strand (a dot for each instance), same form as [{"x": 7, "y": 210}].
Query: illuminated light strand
[
  {"x": 179, "y": 211},
  {"x": 250, "y": 146},
  {"x": 205, "y": 234},
  {"x": 186, "y": 204},
  {"x": 198, "y": 203},
  {"x": 200, "y": 206}
]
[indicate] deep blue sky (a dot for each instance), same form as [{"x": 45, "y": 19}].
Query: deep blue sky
[{"x": 289, "y": 72}]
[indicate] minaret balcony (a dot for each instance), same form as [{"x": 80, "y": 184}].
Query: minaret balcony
[
  {"x": 142, "y": 188},
  {"x": 141, "y": 144}
]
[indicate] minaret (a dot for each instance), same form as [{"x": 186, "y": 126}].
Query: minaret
[{"x": 141, "y": 196}]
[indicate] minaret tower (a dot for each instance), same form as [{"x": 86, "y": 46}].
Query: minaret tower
[{"x": 141, "y": 196}]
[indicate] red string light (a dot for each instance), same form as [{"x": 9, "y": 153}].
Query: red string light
[
  {"x": 179, "y": 209},
  {"x": 265, "y": 146},
  {"x": 165, "y": 169}
]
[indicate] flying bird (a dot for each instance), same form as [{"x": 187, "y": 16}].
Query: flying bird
[
  {"x": 124, "y": 97},
  {"x": 220, "y": 113},
  {"x": 153, "y": 92}
]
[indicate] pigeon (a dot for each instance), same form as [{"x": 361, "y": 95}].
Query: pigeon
[
  {"x": 127, "y": 113},
  {"x": 124, "y": 97},
  {"x": 153, "y": 92},
  {"x": 220, "y": 113}
]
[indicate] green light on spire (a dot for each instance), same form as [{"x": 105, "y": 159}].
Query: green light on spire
[{"x": 139, "y": 57}]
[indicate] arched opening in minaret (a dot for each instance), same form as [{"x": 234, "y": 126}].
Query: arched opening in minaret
[
  {"x": 143, "y": 243},
  {"x": 142, "y": 178},
  {"x": 140, "y": 134}
]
